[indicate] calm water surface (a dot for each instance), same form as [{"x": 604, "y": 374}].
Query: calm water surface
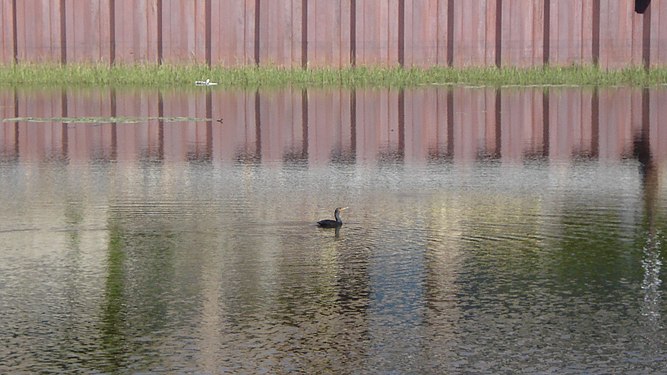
[{"x": 488, "y": 231}]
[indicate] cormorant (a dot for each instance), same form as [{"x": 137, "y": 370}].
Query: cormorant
[{"x": 333, "y": 223}]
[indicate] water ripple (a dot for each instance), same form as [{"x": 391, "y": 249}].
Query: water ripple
[{"x": 437, "y": 269}]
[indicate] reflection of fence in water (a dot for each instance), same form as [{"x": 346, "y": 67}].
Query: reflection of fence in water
[{"x": 416, "y": 125}]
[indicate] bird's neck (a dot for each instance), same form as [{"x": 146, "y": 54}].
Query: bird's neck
[{"x": 337, "y": 216}]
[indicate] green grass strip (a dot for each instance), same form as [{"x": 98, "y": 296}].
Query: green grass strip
[{"x": 251, "y": 77}]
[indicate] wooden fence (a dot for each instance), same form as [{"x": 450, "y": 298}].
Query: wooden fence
[{"x": 335, "y": 33}]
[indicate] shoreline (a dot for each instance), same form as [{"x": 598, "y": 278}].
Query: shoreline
[{"x": 84, "y": 75}]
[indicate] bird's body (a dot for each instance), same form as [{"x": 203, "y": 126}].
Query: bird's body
[{"x": 328, "y": 223}]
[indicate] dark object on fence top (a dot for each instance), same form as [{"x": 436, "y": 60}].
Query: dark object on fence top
[
  {"x": 641, "y": 5},
  {"x": 333, "y": 223}
]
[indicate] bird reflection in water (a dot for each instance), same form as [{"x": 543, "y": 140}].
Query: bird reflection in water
[{"x": 328, "y": 223}]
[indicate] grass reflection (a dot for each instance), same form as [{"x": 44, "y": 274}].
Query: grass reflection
[{"x": 114, "y": 314}]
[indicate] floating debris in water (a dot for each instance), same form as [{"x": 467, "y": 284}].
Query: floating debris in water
[{"x": 205, "y": 83}]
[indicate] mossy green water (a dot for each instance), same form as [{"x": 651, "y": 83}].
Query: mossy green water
[{"x": 249, "y": 77}]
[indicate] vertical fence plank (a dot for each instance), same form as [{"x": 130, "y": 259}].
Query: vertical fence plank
[
  {"x": 38, "y": 29},
  {"x": 616, "y": 39},
  {"x": 637, "y": 35},
  {"x": 184, "y": 32},
  {"x": 377, "y": 33},
  {"x": 570, "y": 37},
  {"x": 136, "y": 31},
  {"x": 229, "y": 39},
  {"x": 474, "y": 35},
  {"x": 522, "y": 32},
  {"x": 326, "y": 38},
  {"x": 295, "y": 46},
  {"x": 328, "y": 25},
  {"x": 345, "y": 45},
  {"x": 443, "y": 32},
  {"x": 389, "y": 52},
  {"x": 6, "y": 32},
  {"x": 366, "y": 19},
  {"x": 423, "y": 42},
  {"x": 88, "y": 31},
  {"x": 280, "y": 33},
  {"x": 658, "y": 11}
]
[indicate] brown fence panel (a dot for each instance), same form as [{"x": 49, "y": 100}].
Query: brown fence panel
[
  {"x": 39, "y": 31},
  {"x": 184, "y": 32},
  {"x": 280, "y": 33},
  {"x": 425, "y": 40},
  {"x": 522, "y": 35},
  {"x": 639, "y": 51},
  {"x": 135, "y": 38},
  {"x": 618, "y": 47},
  {"x": 570, "y": 32},
  {"x": 475, "y": 33},
  {"x": 328, "y": 33},
  {"x": 87, "y": 31},
  {"x": 232, "y": 33},
  {"x": 6, "y": 32},
  {"x": 658, "y": 33},
  {"x": 377, "y": 33}
]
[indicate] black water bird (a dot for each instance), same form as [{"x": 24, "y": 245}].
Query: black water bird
[{"x": 333, "y": 223}]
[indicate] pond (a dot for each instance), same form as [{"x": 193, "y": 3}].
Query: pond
[{"x": 488, "y": 230}]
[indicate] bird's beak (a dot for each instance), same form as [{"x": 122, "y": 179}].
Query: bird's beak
[{"x": 344, "y": 208}]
